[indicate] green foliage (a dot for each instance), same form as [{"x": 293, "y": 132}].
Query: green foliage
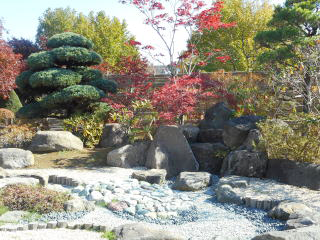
[
  {"x": 109, "y": 235},
  {"x": 13, "y": 103},
  {"x": 69, "y": 39},
  {"x": 3, "y": 209},
  {"x": 105, "y": 85},
  {"x": 108, "y": 35},
  {"x": 292, "y": 24},
  {"x": 78, "y": 94},
  {"x": 32, "y": 198},
  {"x": 88, "y": 74},
  {"x": 40, "y": 60},
  {"x": 238, "y": 42},
  {"x": 54, "y": 78},
  {"x": 22, "y": 81},
  {"x": 32, "y": 110},
  {"x": 75, "y": 56},
  {"x": 140, "y": 122},
  {"x": 298, "y": 142}
]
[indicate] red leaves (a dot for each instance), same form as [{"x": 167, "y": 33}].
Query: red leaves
[
  {"x": 134, "y": 43},
  {"x": 223, "y": 59},
  {"x": 10, "y": 67}
]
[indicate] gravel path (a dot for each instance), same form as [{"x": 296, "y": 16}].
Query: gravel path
[{"x": 217, "y": 219}]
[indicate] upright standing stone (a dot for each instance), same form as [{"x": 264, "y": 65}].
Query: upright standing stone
[
  {"x": 170, "y": 150},
  {"x": 114, "y": 135}
]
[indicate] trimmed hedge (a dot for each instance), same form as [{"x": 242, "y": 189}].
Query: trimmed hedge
[
  {"x": 13, "y": 103},
  {"x": 88, "y": 74},
  {"x": 76, "y": 56},
  {"x": 77, "y": 93},
  {"x": 54, "y": 78},
  {"x": 32, "y": 110},
  {"x": 41, "y": 60},
  {"x": 69, "y": 39},
  {"x": 105, "y": 85},
  {"x": 22, "y": 81}
]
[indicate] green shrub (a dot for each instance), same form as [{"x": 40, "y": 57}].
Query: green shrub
[
  {"x": 298, "y": 142},
  {"x": 80, "y": 94},
  {"x": 22, "y": 81},
  {"x": 76, "y": 56},
  {"x": 32, "y": 110},
  {"x": 100, "y": 110},
  {"x": 3, "y": 209},
  {"x": 32, "y": 198},
  {"x": 69, "y": 39},
  {"x": 88, "y": 74},
  {"x": 13, "y": 103},
  {"x": 54, "y": 78},
  {"x": 103, "y": 84},
  {"x": 109, "y": 235},
  {"x": 40, "y": 60}
]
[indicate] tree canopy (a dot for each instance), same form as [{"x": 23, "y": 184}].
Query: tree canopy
[
  {"x": 109, "y": 36},
  {"x": 238, "y": 42}
]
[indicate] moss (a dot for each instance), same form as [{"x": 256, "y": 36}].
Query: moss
[
  {"x": 41, "y": 60},
  {"x": 105, "y": 85},
  {"x": 76, "y": 56},
  {"x": 54, "y": 78},
  {"x": 69, "y": 39},
  {"x": 13, "y": 103}
]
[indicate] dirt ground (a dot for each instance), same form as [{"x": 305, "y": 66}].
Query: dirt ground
[{"x": 72, "y": 159}]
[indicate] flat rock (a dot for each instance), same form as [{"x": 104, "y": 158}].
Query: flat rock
[
  {"x": 245, "y": 163},
  {"x": 192, "y": 181},
  {"x": 15, "y": 158},
  {"x": 114, "y": 135},
  {"x": 170, "y": 150},
  {"x": 139, "y": 231},
  {"x": 306, "y": 233},
  {"x": 287, "y": 208},
  {"x": 128, "y": 156},
  {"x": 13, "y": 216},
  {"x": 54, "y": 141},
  {"x": 152, "y": 176}
]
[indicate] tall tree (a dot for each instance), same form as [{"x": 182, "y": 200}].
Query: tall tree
[
  {"x": 294, "y": 24},
  {"x": 251, "y": 17},
  {"x": 23, "y": 46},
  {"x": 108, "y": 35}
]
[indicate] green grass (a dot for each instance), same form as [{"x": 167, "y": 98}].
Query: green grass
[
  {"x": 109, "y": 235},
  {"x": 3, "y": 210},
  {"x": 31, "y": 216}
]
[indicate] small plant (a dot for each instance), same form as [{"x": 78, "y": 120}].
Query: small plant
[
  {"x": 17, "y": 135},
  {"x": 3, "y": 210},
  {"x": 32, "y": 198},
  {"x": 109, "y": 235}
]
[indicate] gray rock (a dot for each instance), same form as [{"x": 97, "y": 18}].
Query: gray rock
[
  {"x": 245, "y": 163},
  {"x": 170, "y": 150},
  {"x": 226, "y": 194},
  {"x": 294, "y": 173},
  {"x": 15, "y": 158},
  {"x": 306, "y": 233},
  {"x": 95, "y": 196},
  {"x": 128, "y": 156},
  {"x": 287, "y": 208},
  {"x": 78, "y": 204},
  {"x": 42, "y": 177},
  {"x": 114, "y": 135},
  {"x": 3, "y": 173},
  {"x": 139, "y": 231},
  {"x": 117, "y": 206},
  {"x": 252, "y": 141},
  {"x": 236, "y": 130},
  {"x": 152, "y": 176},
  {"x": 301, "y": 222},
  {"x": 209, "y": 156},
  {"x": 210, "y": 135},
  {"x": 54, "y": 141},
  {"x": 216, "y": 116},
  {"x": 13, "y": 216},
  {"x": 190, "y": 132},
  {"x": 192, "y": 181}
]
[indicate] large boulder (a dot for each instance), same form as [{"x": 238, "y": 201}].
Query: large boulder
[
  {"x": 226, "y": 194},
  {"x": 210, "y": 135},
  {"x": 152, "y": 176},
  {"x": 128, "y": 156},
  {"x": 285, "y": 209},
  {"x": 15, "y": 158},
  {"x": 245, "y": 163},
  {"x": 216, "y": 116},
  {"x": 54, "y": 141},
  {"x": 114, "y": 135},
  {"x": 170, "y": 150},
  {"x": 190, "y": 132},
  {"x": 305, "y": 233},
  {"x": 236, "y": 130},
  {"x": 209, "y": 156},
  {"x": 253, "y": 139},
  {"x": 192, "y": 181},
  {"x": 140, "y": 231},
  {"x": 294, "y": 173}
]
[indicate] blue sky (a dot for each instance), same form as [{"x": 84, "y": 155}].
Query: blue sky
[{"x": 20, "y": 17}]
